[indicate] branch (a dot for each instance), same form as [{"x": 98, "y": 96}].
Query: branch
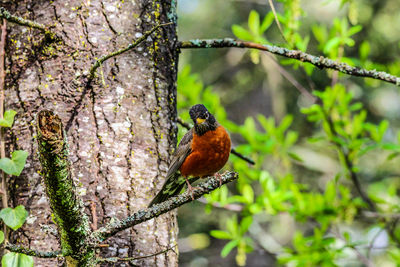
[
  {"x": 25, "y": 22},
  {"x": 67, "y": 207},
  {"x": 34, "y": 253},
  {"x": 233, "y": 151},
  {"x": 100, "y": 61},
  {"x": 206, "y": 187},
  {"x": 116, "y": 259},
  {"x": 319, "y": 61},
  {"x": 3, "y": 188}
]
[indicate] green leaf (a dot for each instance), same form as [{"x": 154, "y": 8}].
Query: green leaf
[
  {"x": 12, "y": 259},
  {"x": 254, "y": 22},
  {"x": 14, "y": 218},
  {"x": 268, "y": 19},
  {"x": 255, "y": 56},
  {"x": 248, "y": 193},
  {"x": 353, "y": 30},
  {"x": 245, "y": 224},
  {"x": 1, "y": 237},
  {"x": 8, "y": 118},
  {"x": 364, "y": 50},
  {"x": 331, "y": 44},
  {"x": 295, "y": 156},
  {"x": 15, "y": 165},
  {"x": 220, "y": 234},
  {"x": 228, "y": 247},
  {"x": 242, "y": 33},
  {"x": 320, "y": 33},
  {"x": 232, "y": 226}
]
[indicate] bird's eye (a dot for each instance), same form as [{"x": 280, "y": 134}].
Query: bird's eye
[{"x": 207, "y": 114}]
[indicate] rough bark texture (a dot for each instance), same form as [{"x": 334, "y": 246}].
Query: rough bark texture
[{"x": 120, "y": 129}]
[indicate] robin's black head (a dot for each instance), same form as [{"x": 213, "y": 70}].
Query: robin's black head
[{"x": 203, "y": 120}]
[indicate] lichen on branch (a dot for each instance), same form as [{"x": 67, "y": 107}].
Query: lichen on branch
[
  {"x": 67, "y": 207},
  {"x": 210, "y": 184},
  {"x": 318, "y": 61},
  {"x": 28, "y": 23},
  {"x": 100, "y": 61}
]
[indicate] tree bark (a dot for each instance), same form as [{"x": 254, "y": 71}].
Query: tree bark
[{"x": 120, "y": 128}]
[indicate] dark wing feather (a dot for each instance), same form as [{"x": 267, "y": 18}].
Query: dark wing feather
[
  {"x": 181, "y": 153},
  {"x": 174, "y": 181}
]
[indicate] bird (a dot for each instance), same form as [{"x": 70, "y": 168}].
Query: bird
[{"x": 202, "y": 152}]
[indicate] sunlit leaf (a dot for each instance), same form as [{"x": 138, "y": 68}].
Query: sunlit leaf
[
  {"x": 12, "y": 259},
  {"x": 8, "y": 118},
  {"x": 14, "y": 218},
  {"x": 220, "y": 234},
  {"x": 15, "y": 165},
  {"x": 242, "y": 33},
  {"x": 228, "y": 247},
  {"x": 254, "y": 22}
]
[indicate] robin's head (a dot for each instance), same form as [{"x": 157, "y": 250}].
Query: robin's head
[{"x": 203, "y": 120}]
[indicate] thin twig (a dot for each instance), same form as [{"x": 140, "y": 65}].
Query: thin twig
[
  {"x": 100, "y": 61},
  {"x": 391, "y": 227},
  {"x": 277, "y": 20},
  {"x": 4, "y": 197},
  {"x": 32, "y": 252},
  {"x": 318, "y": 61},
  {"x": 367, "y": 262},
  {"x": 248, "y": 160},
  {"x": 379, "y": 215},
  {"x": 349, "y": 165},
  {"x": 292, "y": 80},
  {"x": 371, "y": 243},
  {"x": 210, "y": 184},
  {"x": 116, "y": 259},
  {"x": 25, "y": 22},
  {"x": 233, "y": 151}
]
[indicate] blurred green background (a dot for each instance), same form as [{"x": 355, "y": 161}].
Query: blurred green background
[{"x": 297, "y": 206}]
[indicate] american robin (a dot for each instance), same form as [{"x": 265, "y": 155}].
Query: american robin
[{"x": 202, "y": 152}]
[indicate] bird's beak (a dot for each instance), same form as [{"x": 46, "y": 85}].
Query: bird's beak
[{"x": 200, "y": 121}]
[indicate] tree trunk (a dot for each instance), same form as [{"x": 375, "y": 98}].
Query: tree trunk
[{"x": 120, "y": 129}]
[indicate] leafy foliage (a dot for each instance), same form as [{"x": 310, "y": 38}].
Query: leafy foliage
[
  {"x": 342, "y": 128},
  {"x": 13, "y": 218}
]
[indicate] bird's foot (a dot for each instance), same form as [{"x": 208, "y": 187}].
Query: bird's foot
[
  {"x": 190, "y": 188},
  {"x": 219, "y": 176}
]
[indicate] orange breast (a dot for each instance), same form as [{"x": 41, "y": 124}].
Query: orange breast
[{"x": 209, "y": 153}]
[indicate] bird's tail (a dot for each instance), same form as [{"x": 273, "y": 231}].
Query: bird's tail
[{"x": 172, "y": 187}]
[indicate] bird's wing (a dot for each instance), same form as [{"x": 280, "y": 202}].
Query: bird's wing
[
  {"x": 174, "y": 182},
  {"x": 181, "y": 153}
]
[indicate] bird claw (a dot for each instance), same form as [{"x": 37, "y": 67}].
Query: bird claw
[
  {"x": 219, "y": 176},
  {"x": 190, "y": 188}
]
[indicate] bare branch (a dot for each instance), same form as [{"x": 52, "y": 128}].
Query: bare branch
[
  {"x": 206, "y": 187},
  {"x": 25, "y": 22},
  {"x": 271, "y": 4},
  {"x": 116, "y": 259},
  {"x": 233, "y": 151},
  {"x": 3, "y": 188},
  {"x": 319, "y": 61},
  {"x": 34, "y": 253},
  {"x": 100, "y": 61}
]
